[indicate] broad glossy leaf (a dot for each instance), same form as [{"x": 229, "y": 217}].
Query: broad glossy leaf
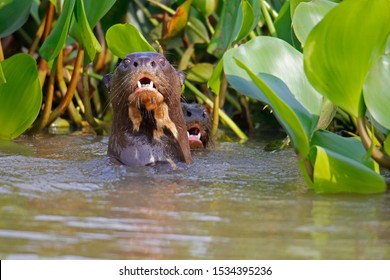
[
  {"x": 248, "y": 19},
  {"x": 387, "y": 144},
  {"x": 272, "y": 89},
  {"x": 350, "y": 147},
  {"x": 56, "y": 40},
  {"x": 20, "y": 97},
  {"x": 215, "y": 80},
  {"x": 309, "y": 14},
  {"x": 335, "y": 173},
  {"x": 276, "y": 57},
  {"x": 341, "y": 49},
  {"x": 283, "y": 26},
  {"x": 123, "y": 39},
  {"x": 193, "y": 37},
  {"x": 2, "y": 77},
  {"x": 13, "y": 14},
  {"x": 96, "y": 9},
  {"x": 294, "y": 4},
  {"x": 200, "y": 73},
  {"x": 237, "y": 19},
  {"x": 376, "y": 91},
  {"x": 82, "y": 32},
  {"x": 206, "y": 7},
  {"x": 179, "y": 20}
]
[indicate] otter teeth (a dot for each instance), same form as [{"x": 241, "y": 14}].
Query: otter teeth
[
  {"x": 150, "y": 85},
  {"x": 197, "y": 136}
]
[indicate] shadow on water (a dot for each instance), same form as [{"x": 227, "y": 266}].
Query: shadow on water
[{"x": 59, "y": 198}]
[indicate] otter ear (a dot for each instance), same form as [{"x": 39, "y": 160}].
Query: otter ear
[
  {"x": 107, "y": 80},
  {"x": 182, "y": 77}
]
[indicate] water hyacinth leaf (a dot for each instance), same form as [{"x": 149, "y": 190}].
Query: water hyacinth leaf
[
  {"x": 237, "y": 19},
  {"x": 350, "y": 147},
  {"x": 309, "y": 14},
  {"x": 248, "y": 18},
  {"x": 195, "y": 38},
  {"x": 282, "y": 109},
  {"x": 337, "y": 60},
  {"x": 123, "y": 39},
  {"x": 2, "y": 77},
  {"x": 376, "y": 91},
  {"x": 294, "y": 4},
  {"x": 20, "y": 97},
  {"x": 206, "y": 7},
  {"x": 336, "y": 173},
  {"x": 96, "y": 9},
  {"x": 179, "y": 20},
  {"x": 215, "y": 80},
  {"x": 386, "y": 145},
  {"x": 82, "y": 32},
  {"x": 13, "y": 14},
  {"x": 200, "y": 73},
  {"x": 274, "y": 56},
  {"x": 54, "y": 43},
  {"x": 283, "y": 26}
]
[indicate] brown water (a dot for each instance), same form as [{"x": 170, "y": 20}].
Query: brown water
[{"x": 59, "y": 198}]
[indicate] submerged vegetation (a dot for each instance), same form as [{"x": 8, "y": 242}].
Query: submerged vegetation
[{"x": 316, "y": 66}]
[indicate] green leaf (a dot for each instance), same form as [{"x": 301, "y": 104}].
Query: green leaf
[
  {"x": 56, "y": 40},
  {"x": 386, "y": 145},
  {"x": 340, "y": 50},
  {"x": 248, "y": 19},
  {"x": 286, "y": 115},
  {"x": 13, "y": 14},
  {"x": 283, "y": 26},
  {"x": 20, "y": 97},
  {"x": 350, "y": 147},
  {"x": 200, "y": 73},
  {"x": 179, "y": 20},
  {"x": 335, "y": 173},
  {"x": 309, "y": 14},
  {"x": 96, "y": 9},
  {"x": 276, "y": 57},
  {"x": 206, "y": 7},
  {"x": 215, "y": 80},
  {"x": 237, "y": 19},
  {"x": 376, "y": 91},
  {"x": 2, "y": 77},
  {"x": 123, "y": 39},
  {"x": 82, "y": 32},
  {"x": 193, "y": 37}
]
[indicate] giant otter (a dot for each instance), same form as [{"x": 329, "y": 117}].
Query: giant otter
[
  {"x": 198, "y": 123},
  {"x": 148, "y": 125}
]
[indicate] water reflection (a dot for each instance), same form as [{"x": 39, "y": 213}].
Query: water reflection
[{"x": 61, "y": 199}]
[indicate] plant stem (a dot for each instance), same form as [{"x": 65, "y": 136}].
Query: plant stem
[
  {"x": 1, "y": 52},
  {"x": 38, "y": 36},
  {"x": 229, "y": 122},
  {"x": 268, "y": 19},
  {"x": 74, "y": 115},
  {"x": 87, "y": 103},
  {"x": 71, "y": 88},
  {"x": 41, "y": 123},
  {"x": 380, "y": 157}
]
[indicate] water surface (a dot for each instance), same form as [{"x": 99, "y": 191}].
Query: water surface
[{"x": 60, "y": 198}]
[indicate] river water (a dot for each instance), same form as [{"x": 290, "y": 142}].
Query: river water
[{"x": 61, "y": 199}]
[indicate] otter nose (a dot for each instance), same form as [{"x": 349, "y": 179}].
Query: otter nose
[{"x": 144, "y": 61}]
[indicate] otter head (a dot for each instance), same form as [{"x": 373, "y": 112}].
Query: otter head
[
  {"x": 145, "y": 93},
  {"x": 198, "y": 123}
]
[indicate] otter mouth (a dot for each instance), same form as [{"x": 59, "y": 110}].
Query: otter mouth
[
  {"x": 145, "y": 83},
  {"x": 196, "y": 136}
]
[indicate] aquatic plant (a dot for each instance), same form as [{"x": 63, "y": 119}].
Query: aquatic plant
[{"x": 302, "y": 58}]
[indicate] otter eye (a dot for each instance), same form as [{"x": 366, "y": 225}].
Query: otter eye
[
  {"x": 126, "y": 62},
  {"x": 162, "y": 61}
]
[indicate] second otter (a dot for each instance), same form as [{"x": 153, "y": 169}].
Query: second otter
[{"x": 148, "y": 124}]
